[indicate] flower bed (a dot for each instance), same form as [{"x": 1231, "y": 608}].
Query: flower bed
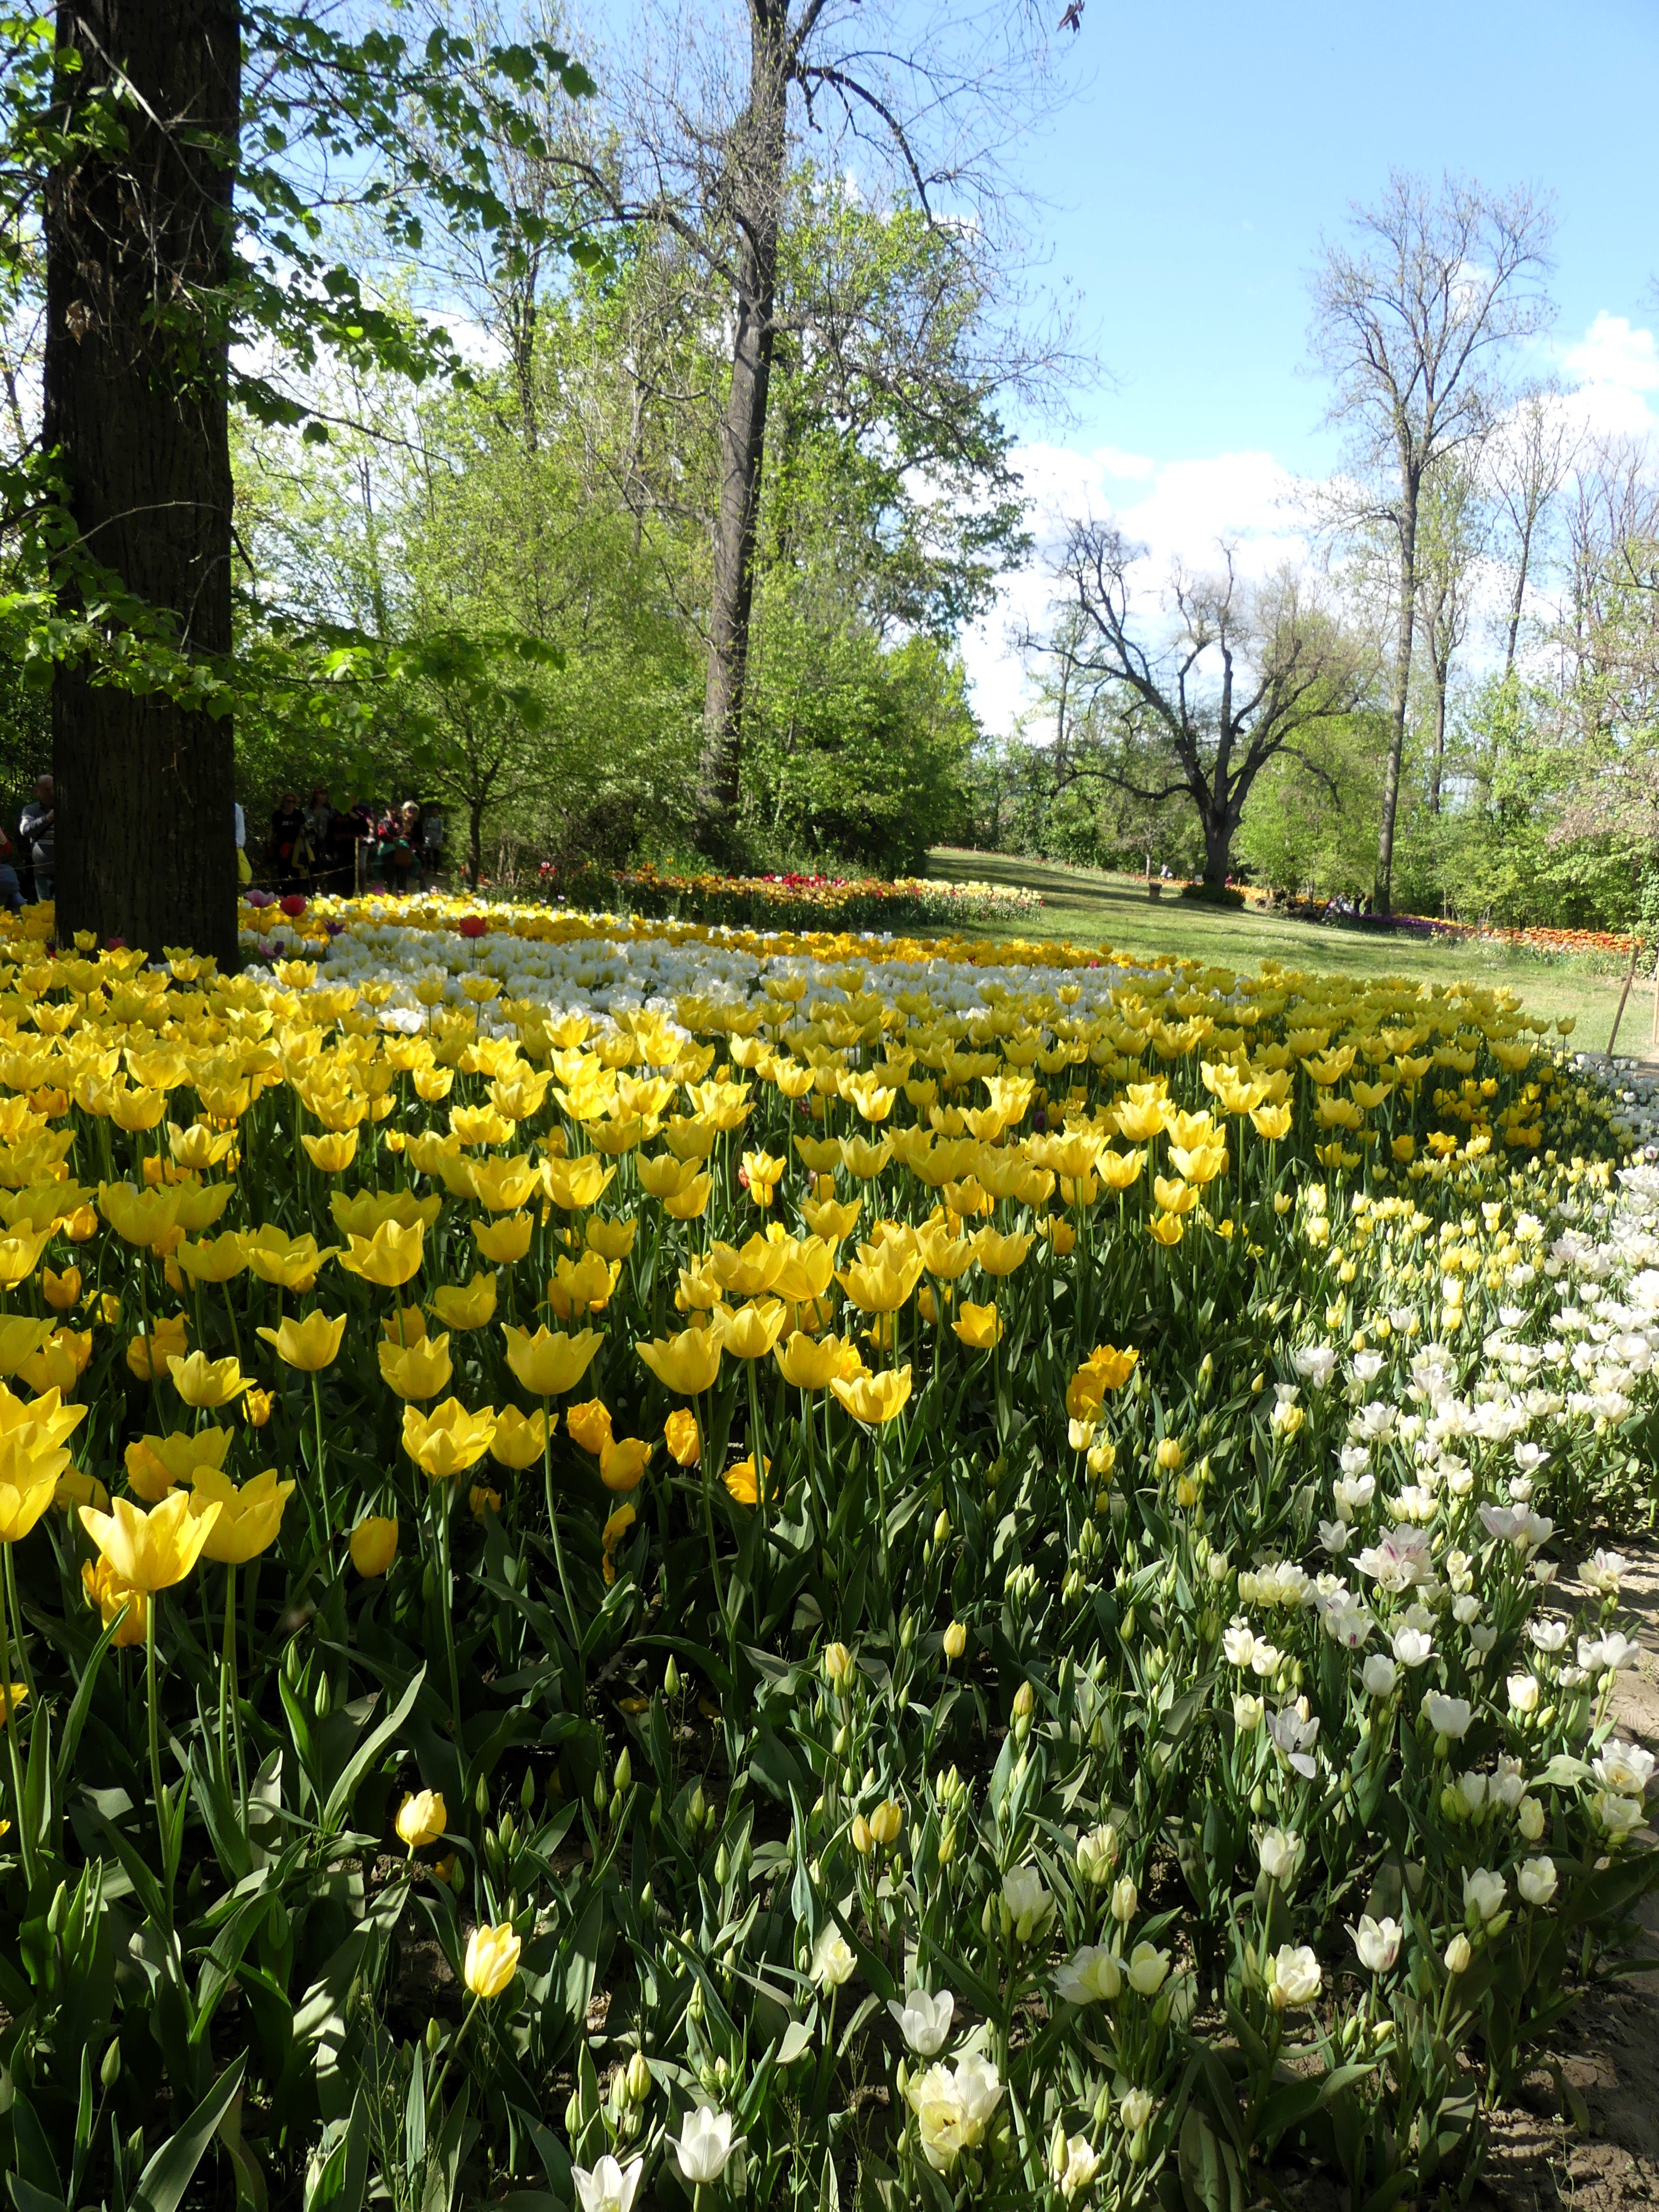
[
  {"x": 759, "y": 902},
  {"x": 652, "y": 1560}
]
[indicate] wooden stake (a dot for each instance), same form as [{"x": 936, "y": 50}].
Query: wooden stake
[{"x": 1630, "y": 977}]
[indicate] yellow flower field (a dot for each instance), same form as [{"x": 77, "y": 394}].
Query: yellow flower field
[{"x": 980, "y": 1567}]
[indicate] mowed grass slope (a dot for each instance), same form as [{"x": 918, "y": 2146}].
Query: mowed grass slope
[{"x": 1085, "y": 906}]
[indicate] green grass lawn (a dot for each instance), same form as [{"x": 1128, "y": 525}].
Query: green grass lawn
[{"x": 1085, "y": 907}]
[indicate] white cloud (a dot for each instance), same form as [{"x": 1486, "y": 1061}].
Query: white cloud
[
  {"x": 1613, "y": 351},
  {"x": 1180, "y": 511}
]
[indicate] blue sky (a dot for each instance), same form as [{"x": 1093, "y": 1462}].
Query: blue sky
[
  {"x": 1208, "y": 145},
  {"x": 1186, "y": 186}
]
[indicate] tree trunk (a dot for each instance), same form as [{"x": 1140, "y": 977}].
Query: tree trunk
[
  {"x": 475, "y": 842},
  {"x": 138, "y": 250},
  {"x": 1438, "y": 770},
  {"x": 1402, "y": 678},
  {"x": 757, "y": 171},
  {"x": 1518, "y": 601},
  {"x": 1219, "y": 827}
]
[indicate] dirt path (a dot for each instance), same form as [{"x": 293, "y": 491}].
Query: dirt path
[{"x": 1608, "y": 2051}]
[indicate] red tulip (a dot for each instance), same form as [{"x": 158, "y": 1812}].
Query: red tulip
[
  {"x": 473, "y": 925},
  {"x": 294, "y": 906}
]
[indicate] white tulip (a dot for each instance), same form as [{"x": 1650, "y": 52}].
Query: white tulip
[{"x": 924, "y": 2020}]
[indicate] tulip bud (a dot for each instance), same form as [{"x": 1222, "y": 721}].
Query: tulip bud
[
  {"x": 1458, "y": 1954},
  {"x": 947, "y": 1844},
  {"x": 942, "y": 1527},
  {"x": 639, "y": 2078},
  {"x": 671, "y": 1681},
  {"x": 109, "y": 2073},
  {"x": 481, "y": 1797},
  {"x": 722, "y": 1866},
  {"x": 624, "y": 1774},
  {"x": 956, "y": 1640},
  {"x": 697, "y": 1809},
  {"x": 435, "y": 2036},
  {"x": 527, "y": 1793},
  {"x": 862, "y": 1838}
]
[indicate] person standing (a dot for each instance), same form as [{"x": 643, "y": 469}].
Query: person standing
[
  {"x": 35, "y": 835},
  {"x": 291, "y": 855}
]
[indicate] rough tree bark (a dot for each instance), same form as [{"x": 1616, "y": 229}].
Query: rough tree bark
[
  {"x": 757, "y": 177},
  {"x": 138, "y": 247}
]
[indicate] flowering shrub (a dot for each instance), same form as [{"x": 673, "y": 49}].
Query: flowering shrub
[{"x": 648, "y": 1565}]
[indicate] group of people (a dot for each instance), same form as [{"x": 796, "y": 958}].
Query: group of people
[
  {"x": 35, "y": 850},
  {"x": 357, "y": 846}
]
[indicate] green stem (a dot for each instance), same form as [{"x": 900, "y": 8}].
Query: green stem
[
  {"x": 152, "y": 1606},
  {"x": 445, "y": 1492},
  {"x": 234, "y": 1693},
  {"x": 17, "y": 1616},
  {"x": 322, "y": 1462},
  {"x": 25, "y": 1841},
  {"x": 553, "y": 1525}
]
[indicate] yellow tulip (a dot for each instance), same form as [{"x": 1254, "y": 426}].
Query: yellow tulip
[
  {"x": 154, "y": 1464},
  {"x": 751, "y": 1332},
  {"x": 218, "y": 1261},
  {"x": 611, "y": 1536},
  {"x": 611, "y": 1240},
  {"x": 588, "y": 1425},
  {"x": 138, "y": 1217},
  {"x": 1000, "y": 1255},
  {"x": 61, "y": 1291},
  {"x": 148, "y": 1356},
  {"x": 449, "y": 1440},
  {"x": 492, "y": 1959},
  {"x": 155, "y": 1550},
  {"x": 1165, "y": 1228},
  {"x": 576, "y": 1184},
  {"x": 23, "y": 1501},
  {"x": 198, "y": 1148},
  {"x": 76, "y": 1488},
  {"x": 20, "y": 1337},
  {"x": 373, "y": 1544},
  {"x": 691, "y": 1203},
  {"x": 416, "y": 1371},
  {"x": 686, "y": 1363},
  {"x": 390, "y": 1257},
  {"x": 504, "y": 1242},
  {"x": 423, "y": 1818},
  {"x": 292, "y": 1263},
  {"x": 309, "y": 1344},
  {"x": 112, "y": 1597},
  {"x": 1117, "y": 1170},
  {"x": 205, "y": 1383},
  {"x": 257, "y": 1407},
  {"x": 333, "y": 1153},
  {"x": 404, "y": 1326},
  {"x": 875, "y": 1400},
  {"x": 247, "y": 1520},
  {"x": 621, "y": 1463},
  {"x": 810, "y": 1364},
  {"x": 463, "y": 1307},
  {"x": 550, "y": 1363},
  {"x": 502, "y": 1186},
  {"x": 683, "y": 1437},
  {"x": 739, "y": 1479},
  {"x": 832, "y": 1221},
  {"x": 881, "y": 1282},
  {"x": 581, "y": 1286},
  {"x": 520, "y": 1439},
  {"x": 980, "y": 1327}
]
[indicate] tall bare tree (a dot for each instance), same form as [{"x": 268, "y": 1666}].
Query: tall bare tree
[
  {"x": 1452, "y": 529},
  {"x": 1412, "y": 318},
  {"x": 704, "y": 138},
  {"x": 1197, "y": 699},
  {"x": 1528, "y": 458}
]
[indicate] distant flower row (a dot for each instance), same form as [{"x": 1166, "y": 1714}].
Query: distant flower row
[{"x": 848, "y": 901}]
